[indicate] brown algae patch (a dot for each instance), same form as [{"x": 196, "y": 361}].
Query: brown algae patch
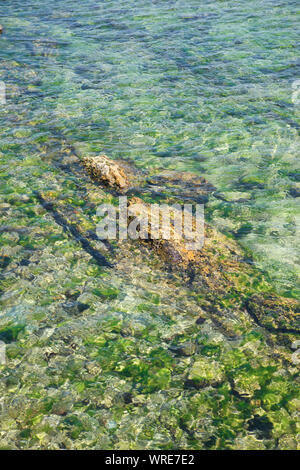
[{"x": 275, "y": 313}]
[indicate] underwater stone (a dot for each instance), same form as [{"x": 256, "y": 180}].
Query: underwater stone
[
  {"x": 172, "y": 250},
  {"x": 205, "y": 372},
  {"x": 183, "y": 185},
  {"x": 218, "y": 255},
  {"x": 274, "y": 312},
  {"x": 246, "y": 385},
  {"x": 1, "y": 29},
  {"x": 107, "y": 171},
  {"x": 69, "y": 160},
  {"x": 184, "y": 349},
  {"x": 72, "y": 294},
  {"x": 75, "y": 308},
  {"x": 93, "y": 368},
  {"x": 61, "y": 408},
  {"x": 4, "y": 206}
]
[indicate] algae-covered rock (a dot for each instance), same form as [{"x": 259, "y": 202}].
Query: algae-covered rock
[
  {"x": 246, "y": 384},
  {"x": 249, "y": 442},
  {"x": 106, "y": 171},
  {"x": 185, "y": 186},
  {"x": 275, "y": 312},
  {"x": 184, "y": 349},
  {"x": 61, "y": 408},
  {"x": 169, "y": 185},
  {"x": 215, "y": 259},
  {"x": 170, "y": 246},
  {"x": 205, "y": 372}
]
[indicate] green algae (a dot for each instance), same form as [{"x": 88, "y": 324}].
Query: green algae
[
  {"x": 116, "y": 375},
  {"x": 108, "y": 293},
  {"x": 10, "y": 333}
]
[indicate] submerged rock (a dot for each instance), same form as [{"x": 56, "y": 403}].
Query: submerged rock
[
  {"x": 246, "y": 384},
  {"x": 217, "y": 262},
  {"x": 1, "y": 29},
  {"x": 61, "y": 408},
  {"x": 172, "y": 250},
  {"x": 75, "y": 308},
  {"x": 169, "y": 185},
  {"x": 211, "y": 262},
  {"x": 185, "y": 349},
  {"x": 106, "y": 171},
  {"x": 185, "y": 186},
  {"x": 274, "y": 312},
  {"x": 205, "y": 372}
]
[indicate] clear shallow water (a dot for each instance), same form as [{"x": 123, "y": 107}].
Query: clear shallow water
[{"x": 204, "y": 87}]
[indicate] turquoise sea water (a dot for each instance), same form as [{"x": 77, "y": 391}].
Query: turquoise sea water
[{"x": 202, "y": 86}]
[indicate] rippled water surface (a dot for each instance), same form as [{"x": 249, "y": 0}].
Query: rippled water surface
[{"x": 203, "y": 86}]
